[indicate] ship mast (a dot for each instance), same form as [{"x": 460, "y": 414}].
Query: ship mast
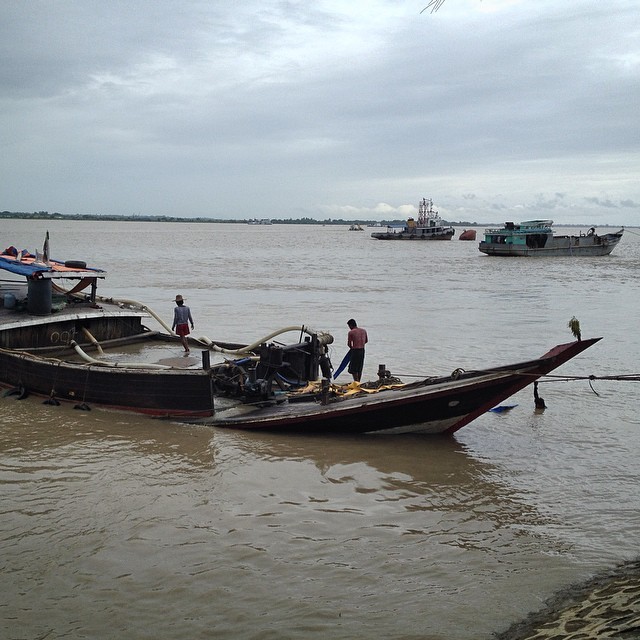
[{"x": 425, "y": 210}]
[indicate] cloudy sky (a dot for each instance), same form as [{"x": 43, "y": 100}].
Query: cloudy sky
[{"x": 496, "y": 109}]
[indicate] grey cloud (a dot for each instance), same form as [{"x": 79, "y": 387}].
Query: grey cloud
[{"x": 317, "y": 109}]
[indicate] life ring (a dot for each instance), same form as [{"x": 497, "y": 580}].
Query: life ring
[{"x": 75, "y": 264}]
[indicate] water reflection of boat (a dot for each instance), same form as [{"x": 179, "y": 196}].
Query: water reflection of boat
[
  {"x": 405, "y": 467},
  {"x": 536, "y": 238},
  {"x": 442, "y": 461}
]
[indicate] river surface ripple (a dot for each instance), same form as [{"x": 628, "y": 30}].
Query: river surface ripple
[{"x": 114, "y": 525}]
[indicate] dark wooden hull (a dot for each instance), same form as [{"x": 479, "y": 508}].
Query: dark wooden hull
[
  {"x": 175, "y": 393},
  {"x": 56, "y": 332},
  {"x": 438, "y": 406},
  {"x": 419, "y": 235}
]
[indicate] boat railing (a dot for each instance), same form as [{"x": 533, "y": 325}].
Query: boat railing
[{"x": 519, "y": 229}]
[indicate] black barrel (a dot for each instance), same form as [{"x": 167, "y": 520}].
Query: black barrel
[{"x": 39, "y": 297}]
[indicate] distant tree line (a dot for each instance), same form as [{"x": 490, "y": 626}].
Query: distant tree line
[{"x": 45, "y": 215}]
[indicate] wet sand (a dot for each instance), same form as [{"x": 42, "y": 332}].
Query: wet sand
[{"x": 606, "y": 606}]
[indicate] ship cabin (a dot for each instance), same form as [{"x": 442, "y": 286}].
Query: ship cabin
[{"x": 532, "y": 234}]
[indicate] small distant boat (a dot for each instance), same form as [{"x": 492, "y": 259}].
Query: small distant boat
[
  {"x": 536, "y": 238},
  {"x": 429, "y": 226},
  {"x": 355, "y": 227},
  {"x": 468, "y": 234},
  {"x": 256, "y": 221}
]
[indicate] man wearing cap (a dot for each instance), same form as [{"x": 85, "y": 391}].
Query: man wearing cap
[{"x": 181, "y": 320}]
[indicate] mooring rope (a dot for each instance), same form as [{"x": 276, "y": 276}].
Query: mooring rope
[{"x": 625, "y": 377}]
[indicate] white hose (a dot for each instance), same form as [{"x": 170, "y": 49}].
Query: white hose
[
  {"x": 139, "y": 305},
  {"x": 323, "y": 338},
  {"x": 150, "y": 311},
  {"x": 124, "y": 365},
  {"x": 93, "y": 340}
]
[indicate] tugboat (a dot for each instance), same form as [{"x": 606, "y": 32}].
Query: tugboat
[{"x": 429, "y": 226}]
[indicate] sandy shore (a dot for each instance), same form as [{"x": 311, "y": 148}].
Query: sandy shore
[{"x": 606, "y": 606}]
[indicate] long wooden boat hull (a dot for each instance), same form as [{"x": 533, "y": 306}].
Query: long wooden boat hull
[{"x": 434, "y": 406}]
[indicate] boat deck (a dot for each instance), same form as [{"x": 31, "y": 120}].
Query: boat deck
[
  {"x": 19, "y": 315},
  {"x": 149, "y": 347}
]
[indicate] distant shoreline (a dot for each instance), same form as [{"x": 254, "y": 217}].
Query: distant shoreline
[{"x": 45, "y": 215}]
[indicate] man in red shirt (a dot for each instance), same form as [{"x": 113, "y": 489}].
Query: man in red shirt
[{"x": 356, "y": 339}]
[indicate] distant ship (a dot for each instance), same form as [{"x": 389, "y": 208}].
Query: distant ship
[{"x": 429, "y": 226}]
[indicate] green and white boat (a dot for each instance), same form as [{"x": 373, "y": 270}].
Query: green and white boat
[{"x": 536, "y": 238}]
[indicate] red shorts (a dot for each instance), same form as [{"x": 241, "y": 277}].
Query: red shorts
[{"x": 182, "y": 329}]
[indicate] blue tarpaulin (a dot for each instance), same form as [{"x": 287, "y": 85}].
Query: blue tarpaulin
[{"x": 30, "y": 268}]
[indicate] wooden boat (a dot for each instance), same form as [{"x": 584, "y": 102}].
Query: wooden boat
[
  {"x": 429, "y": 226},
  {"x": 468, "y": 234},
  {"x": 434, "y": 406},
  {"x": 46, "y": 340},
  {"x": 536, "y": 238},
  {"x": 46, "y": 334}
]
